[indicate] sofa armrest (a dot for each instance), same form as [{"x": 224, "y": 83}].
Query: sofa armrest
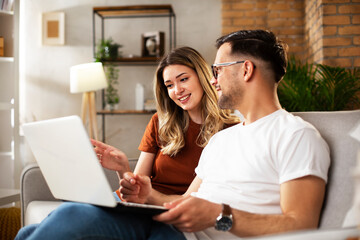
[
  {"x": 318, "y": 234},
  {"x": 33, "y": 187}
]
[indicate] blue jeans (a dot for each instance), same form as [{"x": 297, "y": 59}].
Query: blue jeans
[{"x": 85, "y": 221}]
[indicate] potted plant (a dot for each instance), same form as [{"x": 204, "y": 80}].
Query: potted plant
[
  {"x": 317, "y": 87},
  {"x": 107, "y": 50},
  {"x": 111, "y": 92}
]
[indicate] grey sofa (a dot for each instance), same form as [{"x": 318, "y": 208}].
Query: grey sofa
[{"x": 333, "y": 126}]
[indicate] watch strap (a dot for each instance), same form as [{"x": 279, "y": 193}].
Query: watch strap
[{"x": 226, "y": 210}]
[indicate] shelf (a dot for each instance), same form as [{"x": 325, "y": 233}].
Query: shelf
[
  {"x": 133, "y": 61},
  {"x": 134, "y": 11},
  {"x": 6, "y": 153},
  {"x": 124, "y": 112},
  {"x": 6, "y": 106},
  {"x": 6, "y": 59},
  {"x": 7, "y": 13},
  {"x": 9, "y": 196}
]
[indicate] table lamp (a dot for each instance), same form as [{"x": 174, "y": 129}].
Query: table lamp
[{"x": 87, "y": 78}]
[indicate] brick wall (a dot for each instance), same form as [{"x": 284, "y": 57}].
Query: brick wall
[
  {"x": 284, "y": 18},
  {"x": 313, "y": 31},
  {"x": 321, "y": 31},
  {"x": 341, "y": 27}
]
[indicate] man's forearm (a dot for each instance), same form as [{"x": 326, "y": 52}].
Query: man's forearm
[{"x": 247, "y": 224}]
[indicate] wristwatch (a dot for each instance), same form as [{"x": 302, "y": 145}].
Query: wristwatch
[{"x": 224, "y": 221}]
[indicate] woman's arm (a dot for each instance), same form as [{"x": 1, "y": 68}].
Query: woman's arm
[
  {"x": 157, "y": 198},
  {"x": 137, "y": 188},
  {"x": 134, "y": 188},
  {"x": 145, "y": 163},
  {"x": 111, "y": 157}
]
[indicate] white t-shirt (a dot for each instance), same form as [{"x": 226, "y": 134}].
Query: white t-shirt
[{"x": 244, "y": 165}]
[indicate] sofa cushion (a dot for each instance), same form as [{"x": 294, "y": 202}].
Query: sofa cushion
[
  {"x": 335, "y": 127},
  {"x": 37, "y": 210}
]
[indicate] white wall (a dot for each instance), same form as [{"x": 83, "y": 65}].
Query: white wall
[{"x": 44, "y": 70}]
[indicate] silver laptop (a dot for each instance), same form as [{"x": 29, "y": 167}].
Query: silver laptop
[{"x": 69, "y": 164}]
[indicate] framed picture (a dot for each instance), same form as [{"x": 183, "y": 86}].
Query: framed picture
[
  {"x": 153, "y": 44},
  {"x": 53, "y": 28}
]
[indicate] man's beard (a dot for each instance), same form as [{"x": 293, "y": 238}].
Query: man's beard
[
  {"x": 226, "y": 102},
  {"x": 231, "y": 99}
]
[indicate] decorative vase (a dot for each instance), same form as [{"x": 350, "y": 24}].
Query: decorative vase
[
  {"x": 111, "y": 106},
  {"x": 111, "y": 51}
]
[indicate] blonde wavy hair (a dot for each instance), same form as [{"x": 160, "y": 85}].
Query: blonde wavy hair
[{"x": 173, "y": 120}]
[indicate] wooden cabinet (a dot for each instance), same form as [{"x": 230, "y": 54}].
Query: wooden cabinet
[
  {"x": 146, "y": 12},
  {"x": 10, "y": 166}
]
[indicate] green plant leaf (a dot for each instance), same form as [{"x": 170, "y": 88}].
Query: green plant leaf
[
  {"x": 111, "y": 92},
  {"x": 310, "y": 87}
]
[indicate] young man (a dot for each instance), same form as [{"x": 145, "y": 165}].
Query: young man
[
  {"x": 265, "y": 175},
  {"x": 271, "y": 169}
]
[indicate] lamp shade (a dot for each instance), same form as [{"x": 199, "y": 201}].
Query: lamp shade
[{"x": 87, "y": 77}]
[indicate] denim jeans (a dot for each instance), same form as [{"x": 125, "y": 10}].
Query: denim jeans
[{"x": 85, "y": 221}]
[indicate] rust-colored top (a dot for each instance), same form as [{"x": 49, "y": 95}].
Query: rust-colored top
[{"x": 172, "y": 175}]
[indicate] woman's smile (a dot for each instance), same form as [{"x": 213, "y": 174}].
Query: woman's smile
[{"x": 184, "y": 99}]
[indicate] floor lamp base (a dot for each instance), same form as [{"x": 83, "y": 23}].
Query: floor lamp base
[{"x": 88, "y": 109}]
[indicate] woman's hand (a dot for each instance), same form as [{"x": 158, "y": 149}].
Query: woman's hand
[
  {"x": 135, "y": 188},
  {"x": 111, "y": 157}
]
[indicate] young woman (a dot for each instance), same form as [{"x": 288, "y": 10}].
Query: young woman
[{"x": 187, "y": 116}]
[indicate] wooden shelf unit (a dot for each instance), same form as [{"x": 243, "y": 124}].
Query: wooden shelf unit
[
  {"x": 9, "y": 91},
  {"x": 119, "y": 112},
  {"x": 133, "y": 61},
  {"x": 135, "y": 11}
]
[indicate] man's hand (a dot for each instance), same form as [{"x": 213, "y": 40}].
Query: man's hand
[
  {"x": 135, "y": 188},
  {"x": 190, "y": 214}
]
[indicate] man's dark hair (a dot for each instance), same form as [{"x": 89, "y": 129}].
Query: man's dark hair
[{"x": 260, "y": 44}]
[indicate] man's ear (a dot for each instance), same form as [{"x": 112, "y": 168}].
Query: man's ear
[{"x": 248, "y": 70}]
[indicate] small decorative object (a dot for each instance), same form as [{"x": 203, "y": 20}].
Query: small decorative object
[
  {"x": 1, "y": 46},
  {"x": 153, "y": 44},
  {"x": 139, "y": 97},
  {"x": 111, "y": 92},
  {"x": 53, "y": 28},
  {"x": 107, "y": 50},
  {"x": 150, "y": 105}
]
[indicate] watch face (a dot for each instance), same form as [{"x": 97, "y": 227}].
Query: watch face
[{"x": 224, "y": 223}]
